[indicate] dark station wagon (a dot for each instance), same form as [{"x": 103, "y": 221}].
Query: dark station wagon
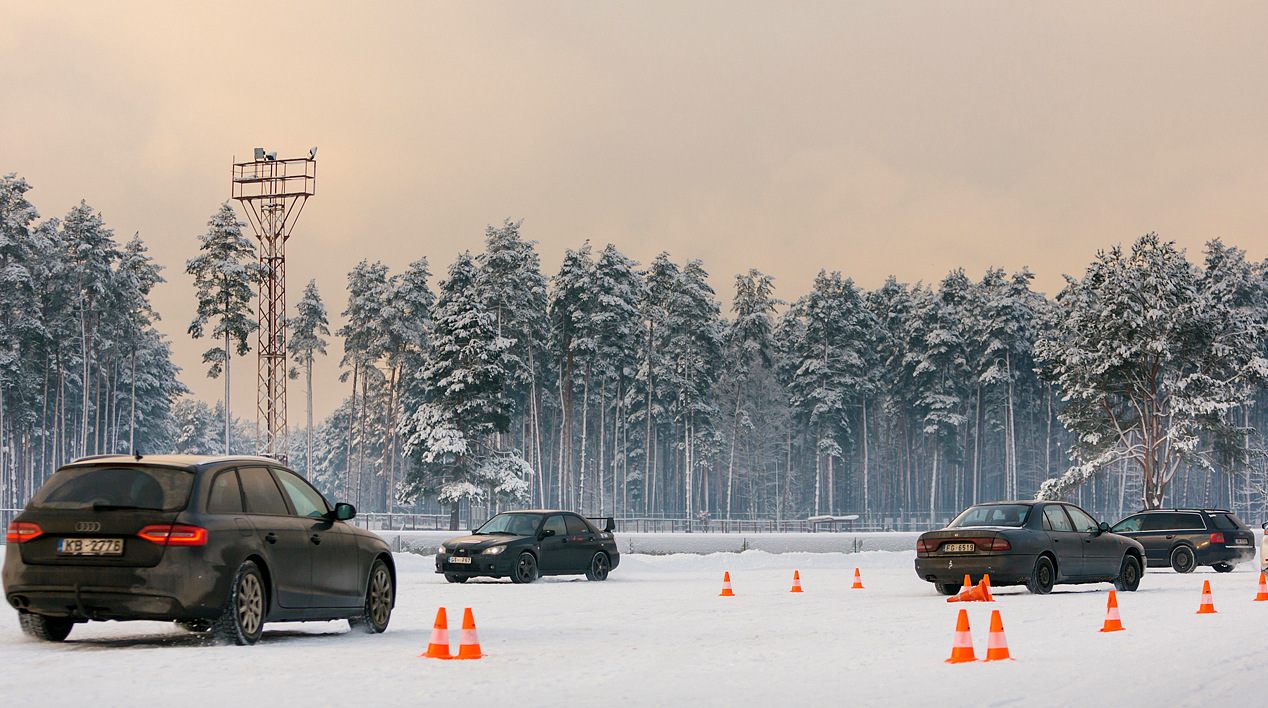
[
  {"x": 1187, "y": 538},
  {"x": 220, "y": 544}
]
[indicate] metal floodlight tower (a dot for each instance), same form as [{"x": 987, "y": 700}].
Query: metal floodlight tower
[{"x": 273, "y": 193}]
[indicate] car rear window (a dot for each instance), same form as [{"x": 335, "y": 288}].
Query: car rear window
[
  {"x": 158, "y": 488},
  {"x": 1227, "y": 522},
  {"x": 992, "y": 515}
]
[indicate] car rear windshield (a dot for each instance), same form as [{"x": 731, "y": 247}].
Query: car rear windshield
[
  {"x": 1227, "y": 522},
  {"x": 105, "y": 488},
  {"x": 992, "y": 515},
  {"x": 511, "y": 524}
]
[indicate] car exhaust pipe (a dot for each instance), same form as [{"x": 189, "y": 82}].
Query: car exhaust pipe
[{"x": 18, "y": 601}]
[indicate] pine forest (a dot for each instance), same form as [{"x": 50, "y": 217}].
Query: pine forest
[{"x": 653, "y": 390}]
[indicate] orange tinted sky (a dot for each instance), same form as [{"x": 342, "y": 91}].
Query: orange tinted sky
[{"x": 869, "y": 137}]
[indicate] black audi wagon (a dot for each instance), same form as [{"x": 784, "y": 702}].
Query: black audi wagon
[
  {"x": 1187, "y": 538},
  {"x": 219, "y": 544}
]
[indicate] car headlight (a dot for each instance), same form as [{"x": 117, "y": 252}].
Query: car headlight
[
  {"x": 444, "y": 548},
  {"x": 493, "y": 550}
]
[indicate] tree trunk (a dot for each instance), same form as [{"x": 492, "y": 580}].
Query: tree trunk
[
  {"x": 351, "y": 485},
  {"x": 867, "y": 499},
  {"x": 585, "y": 410},
  {"x": 257, "y": 434},
  {"x": 933, "y": 479},
  {"x": 308, "y": 386}
]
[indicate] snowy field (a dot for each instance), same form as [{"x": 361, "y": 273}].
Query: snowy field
[{"x": 656, "y": 633}]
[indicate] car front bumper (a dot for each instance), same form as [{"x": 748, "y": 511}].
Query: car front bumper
[
  {"x": 496, "y": 565},
  {"x": 1004, "y": 569}
]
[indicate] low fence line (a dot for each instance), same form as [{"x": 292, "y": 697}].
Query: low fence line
[{"x": 381, "y": 521}]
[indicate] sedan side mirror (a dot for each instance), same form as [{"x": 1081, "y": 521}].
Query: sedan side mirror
[
  {"x": 1103, "y": 528},
  {"x": 545, "y": 533},
  {"x": 343, "y": 512}
]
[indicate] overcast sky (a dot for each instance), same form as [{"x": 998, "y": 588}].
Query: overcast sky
[{"x": 875, "y": 138}]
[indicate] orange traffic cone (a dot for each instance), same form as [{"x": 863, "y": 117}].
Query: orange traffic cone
[
  {"x": 976, "y": 593},
  {"x": 796, "y": 582},
  {"x": 726, "y": 585},
  {"x": 1263, "y": 589},
  {"x": 986, "y": 587},
  {"x": 1208, "y": 606},
  {"x": 962, "y": 647},
  {"x": 1112, "y": 621},
  {"x": 996, "y": 645},
  {"x": 438, "y": 648},
  {"x": 469, "y": 645},
  {"x": 858, "y": 581},
  {"x": 968, "y": 584}
]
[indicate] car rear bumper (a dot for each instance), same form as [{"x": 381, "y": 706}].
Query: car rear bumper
[
  {"x": 167, "y": 591},
  {"x": 1010, "y": 569},
  {"x": 1229, "y": 554}
]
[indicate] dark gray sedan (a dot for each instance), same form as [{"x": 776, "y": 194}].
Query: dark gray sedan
[{"x": 1032, "y": 543}]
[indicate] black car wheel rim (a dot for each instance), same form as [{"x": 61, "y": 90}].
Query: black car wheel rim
[
  {"x": 599, "y": 566},
  {"x": 250, "y": 604},
  {"x": 1129, "y": 574},
  {"x": 526, "y": 568},
  {"x": 380, "y": 596},
  {"x": 1045, "y": 576}
]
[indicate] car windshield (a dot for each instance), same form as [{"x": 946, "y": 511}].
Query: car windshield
[
  {"x": 108, "y": 488},
  {"x": 992, "y": 515},
  {"x": 511, "y": 525}
]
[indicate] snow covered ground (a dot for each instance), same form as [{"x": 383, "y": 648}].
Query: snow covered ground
[{"x": 656, "y": 633}]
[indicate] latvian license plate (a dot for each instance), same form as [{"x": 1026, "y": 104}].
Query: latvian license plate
[
  {"x": 958, "y": 547},
  {"x": 90, "y": 546},
  {"x": 459, "y": 559}
]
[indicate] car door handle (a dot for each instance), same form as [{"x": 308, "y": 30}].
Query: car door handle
[
  {"x": 316, "y": 539},
  {"x": 1171, "y": 537},
  {"x": 270, "y": 537}
]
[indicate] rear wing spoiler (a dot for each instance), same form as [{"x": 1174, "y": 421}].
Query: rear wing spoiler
[{"x": 609, "y": 523}]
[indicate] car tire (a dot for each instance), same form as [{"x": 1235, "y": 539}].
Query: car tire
[
  {"x": 242, "y": 620},
  {"x": 49, "y": 629},
  {"x": 1182, "y": 559},
  {"x": 455, "y": 578},
  {"x": 380, "y": 597},
  {"x": 1223, "y": 567},
  {"x": 600, "y": 565},
  {"x": 948, "y": 589},
  {"x": 525, "y": 570},
  {"x": 1042, "y": 578},
  {"x": 1128, "y": 575},
  {"x": 196, "y": 626}
]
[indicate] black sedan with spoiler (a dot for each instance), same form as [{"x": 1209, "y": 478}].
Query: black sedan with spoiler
[
  {"x": 524, "y": 545},
  {"x": 1033, "y": 543}
]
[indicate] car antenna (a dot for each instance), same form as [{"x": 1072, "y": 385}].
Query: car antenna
[{"x": 137, "y": 454}]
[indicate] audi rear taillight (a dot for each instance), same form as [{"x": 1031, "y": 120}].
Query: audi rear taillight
[
  {"x": 174, "y": 535},
  {"x": 1217, "y": 538},
  {"x": 22, "y": 531},
  {"x": 995, "y": 544}
]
